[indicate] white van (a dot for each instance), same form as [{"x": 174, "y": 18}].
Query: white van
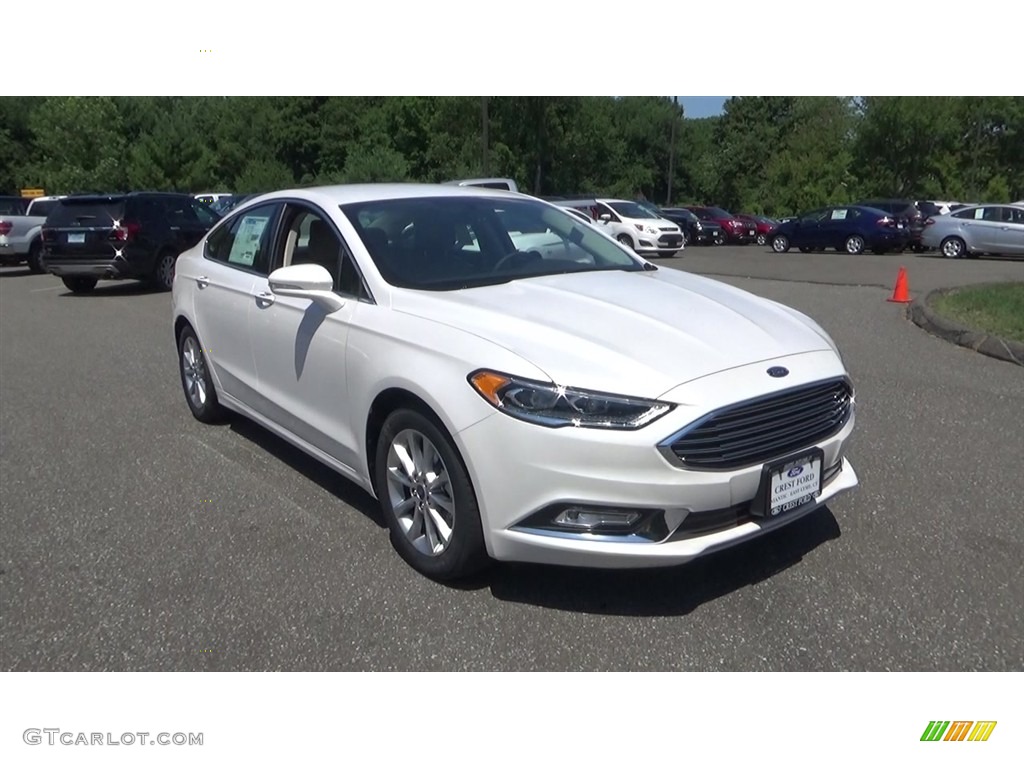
[{"x": 631, "y": 225}]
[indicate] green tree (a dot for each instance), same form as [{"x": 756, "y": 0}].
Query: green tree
[{"x": 77, "y": 145}]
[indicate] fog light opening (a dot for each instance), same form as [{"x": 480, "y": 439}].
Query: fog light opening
[{"x": 583, "y": 519}]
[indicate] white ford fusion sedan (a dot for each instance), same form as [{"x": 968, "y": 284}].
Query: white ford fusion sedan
[{"x": 509, "y": 382}]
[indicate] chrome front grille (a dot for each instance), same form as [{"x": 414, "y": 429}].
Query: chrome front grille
[{"x": 757, "y": 431}]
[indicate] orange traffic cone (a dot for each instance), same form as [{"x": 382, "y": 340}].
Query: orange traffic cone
[{"x": 900, "y": 293}]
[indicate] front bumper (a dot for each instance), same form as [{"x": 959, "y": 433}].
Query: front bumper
[
  {"x": 742, "y": 236},
  {"x": 702, "y": 511},
  {"x": 662, "y": 244}
]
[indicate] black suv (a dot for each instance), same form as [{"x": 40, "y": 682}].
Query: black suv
[
  {"x": 135, "y": 236},
  {"x": 906, "y": 213},
  {"x": 696, "y": 231}
]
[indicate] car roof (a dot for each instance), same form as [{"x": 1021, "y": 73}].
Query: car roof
[{"x": 344, "y": 194}]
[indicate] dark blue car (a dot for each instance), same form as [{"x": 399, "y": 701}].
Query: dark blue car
[{"x": 850, "y": 228}]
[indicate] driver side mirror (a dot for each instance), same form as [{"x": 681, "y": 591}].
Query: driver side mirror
[{"x": 306, "y": 281}]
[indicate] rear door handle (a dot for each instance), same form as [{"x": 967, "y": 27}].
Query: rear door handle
[
  {"x": 203, "y": 281},
  {"x": 265, "y": 299}
]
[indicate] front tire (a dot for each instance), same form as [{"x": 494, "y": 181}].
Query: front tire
[
  {"x": 780, "y": 243},
  {"x": 196, "y": 380},
  {"x": 953, "y": 248},
  {"x": 626, "y": 240},
  {"x": 427, "y": 498},
  {"x": 79, "y": 284},
  {"x": 762, "y": 239}
]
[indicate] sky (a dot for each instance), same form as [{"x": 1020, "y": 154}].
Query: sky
[{"x": 702, "y": 106}]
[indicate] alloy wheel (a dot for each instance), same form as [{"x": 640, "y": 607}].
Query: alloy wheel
[{"x": 420, "y": 492}]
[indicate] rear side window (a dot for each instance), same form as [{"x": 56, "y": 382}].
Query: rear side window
[
  {"x": 86, "y": 212},
  {"x": 12, "y": 207},
  {"x": 42, "y": 207},
  {"x": 244, "y": 241}
]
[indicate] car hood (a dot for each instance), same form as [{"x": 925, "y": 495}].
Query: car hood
[
  {"x": 635, "y": 333},
  {"x": 657, "y": 223}
]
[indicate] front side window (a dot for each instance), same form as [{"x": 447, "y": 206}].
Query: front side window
[
  {"x": 310, "y": 239},
  {"x": 452, "y": 243},
  {"x": 244, "y": 241}
]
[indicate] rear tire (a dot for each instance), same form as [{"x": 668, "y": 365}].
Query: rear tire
[
  {"x": 427, "y": 498},
  {"x": 854, "y": 244},
  {"x": 163, "y": 272},
  {"x": 805, "y": 249},
  {"x": 79, "y": 284},
  {"x": 35, "y": 258}
]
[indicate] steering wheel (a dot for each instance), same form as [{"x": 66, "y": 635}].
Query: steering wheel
[{"x": 524, "y": 256}]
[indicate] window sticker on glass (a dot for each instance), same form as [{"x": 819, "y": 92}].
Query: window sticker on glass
[
  {"x": 247, "y": 241},
  {"x": 838, "y": 214}
]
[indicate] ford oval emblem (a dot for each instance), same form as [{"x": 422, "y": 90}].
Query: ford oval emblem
[
  {"x": 795, "y": 471},
  {"x": 777, "y": 372}
]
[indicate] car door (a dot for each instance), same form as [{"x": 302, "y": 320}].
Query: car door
[
  {"x": 805, "y": 230},
  {"x": 833, "y": 228},
  {"x": 1010, "y": 235},
  {"x": 299, "y": 347},
  {"x": 235, "y": 254},
  {"x": 986, "y": 228}
]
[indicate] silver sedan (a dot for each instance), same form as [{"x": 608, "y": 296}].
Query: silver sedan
[{"x": 996, "y": 229}]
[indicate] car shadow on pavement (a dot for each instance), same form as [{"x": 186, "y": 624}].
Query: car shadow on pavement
[
  {"x": 672, "y": 591},
  {"x": 344, "y": 490}
]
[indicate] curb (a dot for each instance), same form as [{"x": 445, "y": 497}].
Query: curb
[{"x": 994, "y": 346}]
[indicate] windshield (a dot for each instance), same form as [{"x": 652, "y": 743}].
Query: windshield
[
  {"x": 720, "y": 213},
  {"x": 631, "y": 210},
  {"x": 447, "y": 243}
]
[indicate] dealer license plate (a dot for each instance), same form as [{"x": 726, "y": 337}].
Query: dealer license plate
[
  {"x": 793, "y": 483},
  {"x": 78, "y": 237}
]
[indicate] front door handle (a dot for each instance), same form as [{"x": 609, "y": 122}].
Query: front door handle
[
  {"x": 203, "y": 281},
  {"x": 265, "y": 299}
]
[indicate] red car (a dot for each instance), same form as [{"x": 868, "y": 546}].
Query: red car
[
  {"x": 734, "y": 229},
  {"x": 763, "y": 226}
]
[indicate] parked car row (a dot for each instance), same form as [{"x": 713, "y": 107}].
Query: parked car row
[{"x": 882, "y": 226}]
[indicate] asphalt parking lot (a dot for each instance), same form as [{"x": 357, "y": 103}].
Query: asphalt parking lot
[{"x": 134, "y": 538}]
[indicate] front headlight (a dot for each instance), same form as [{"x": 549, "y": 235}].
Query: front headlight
[{"x": 552, "y": 405}]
